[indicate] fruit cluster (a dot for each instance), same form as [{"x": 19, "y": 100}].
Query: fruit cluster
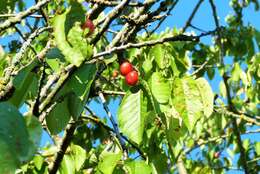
[{"x": 131, "y": 75}]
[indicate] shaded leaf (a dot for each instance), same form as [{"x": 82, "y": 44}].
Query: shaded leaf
[
  {"x": 14, "y": 139},
  {"x": 58, "y": 117},
  {"x": 22, "y": 82}
]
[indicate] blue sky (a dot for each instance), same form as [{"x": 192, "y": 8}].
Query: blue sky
[{"x": 203, "y": 20}]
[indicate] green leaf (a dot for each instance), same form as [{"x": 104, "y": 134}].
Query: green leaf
[
  {"x": 160, "y": 88},
  {"x": 257, "y": 148},
  {"x": 72, "y": 53},
  {"x": 14, "y": 139},
  {"x": 78, "y": 155},
  {"x": 174, "y": 129},
  {"x": 34, "y": 129},
  {"x": 236, "y": 72},
  {"x": 246, "y": 144},
  {"x": 71, "y": 99},
  {"x": 159, "y": 166},
  {"x": 257, "y": 37},
  {"x": 206, "y": 95},
  {"x": 108, "y": 160},
  {"x": 55, "y": 59},
  {"x": 22, "y": 82},
  {"x": 5, "y": 6},
  {"x": 38, "y": 161},
  {"x": 67, "y": 165},
  {"x": 147, "y": 66},
  {"x": 81, "y": 80},
  {"x": 8, "y": 160},
  {"x": 79, "y": 43},
  {"x": 132, "y": 115},
  {"x": 222, "y": 89},
  {"x": 76, "y": 13},
  {"x": 158, "y": 54},
  {"x": 80, "y": 83},
  {"x": 187, "y": 101},
  {"x": 134, "y": 167},
  {"x": 58, "y": 117}
]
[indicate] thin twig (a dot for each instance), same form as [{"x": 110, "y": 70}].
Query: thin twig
[
  {"x": 144, "y": 44},
  {"x": 188, "y": 22},
  {"x": 162, "y": 20},
  {"x": 96, "y": 120},
  {"x": 111, "y": 16},
  {"x": 236, "y": 115},
  {"x": 114, "y": 3},
  {"x": 13, "y": 15},
  {"x": 231, "y": 108},
  {"x": 44, "y": 15},
  {"x": 114, "y": 92},
  {"x": 201, "y": 142},
  {"x": 24, "y": 39},
  {"x": 200, "y": 68},
  {"x": 115, "y": 126},
  {"x": 18, "y": 18}
]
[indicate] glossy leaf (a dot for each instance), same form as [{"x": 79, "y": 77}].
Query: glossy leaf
[
  {"x": 58, "y": 117},
  {"x": 80, "y": 84}
]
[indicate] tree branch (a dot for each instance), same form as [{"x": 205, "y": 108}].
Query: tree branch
[
  {"x": 188, "y": 22},
  {"x": 201, "y": 142},
  {"x": 111, "y": 16},
  {"x": 18, "y": 18},
  {"x": 235, "y": 126},
  {"x": 236, "y": 115},
  {"x": 115, "y": 126},
  {"x": 68, "y": 135},
  {"x": 180, "y": 37},
  {"x": 114, "y": 3},
  {"x": 96, "y": 120}
]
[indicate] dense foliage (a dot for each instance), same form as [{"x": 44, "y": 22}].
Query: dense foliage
[{"x": 58, "y": 57}]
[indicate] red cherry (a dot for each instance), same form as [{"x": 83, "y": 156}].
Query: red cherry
[
  {"x": 88, "y": 24},
  {"x": 131, "y": 78},
  {"x": 216, "y": 154},
  {"x": 126, "y": 68},
  {"x": 115, "y": 74}
]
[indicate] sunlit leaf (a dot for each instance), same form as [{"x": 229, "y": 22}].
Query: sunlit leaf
[
  {"x": 134, "y": 167},
  {"x": 187, "y": 101},
  {"x": 132, "y": 115},
  {"x": 160, "y": 88},
  {"x": 108, "y": 160}
]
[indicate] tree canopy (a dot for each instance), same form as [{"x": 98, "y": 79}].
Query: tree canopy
[{"x": 57, "y": 57}]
